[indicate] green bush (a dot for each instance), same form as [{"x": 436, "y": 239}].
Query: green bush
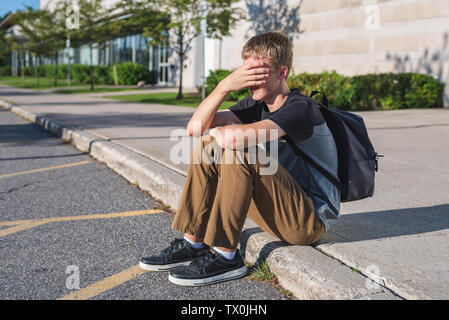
[
  {"x": 28, "y": 71},
  {"x": 41, "y": 71},
  {"x": 338, "y": 89},
  {"x": 63, "y": 72},
  {"x": 424, "y": 92},
  {"x": 80, "y": 73},
  {"x": 5, "y": 71},
  {"x": 385, "y": 91},
  {"x": 129, "y": 73},
  {"x": 103, "y": 75},
  {"x": 379, "y": 91},
  {"x": 215, "y": 77},
  {"x": 47, "y": 71}
]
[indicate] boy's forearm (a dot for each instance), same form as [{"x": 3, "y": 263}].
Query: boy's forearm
[
  {"x": 244, "y": 77},
  {"x": 207, "y": 109}
]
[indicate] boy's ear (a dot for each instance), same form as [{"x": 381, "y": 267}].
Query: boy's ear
[{"x": 284, "y": 72}]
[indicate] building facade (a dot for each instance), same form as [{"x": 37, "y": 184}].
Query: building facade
[{"x": 349, "y": 36}]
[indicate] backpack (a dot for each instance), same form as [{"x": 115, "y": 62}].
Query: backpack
[{"x": 357, "y": 160}]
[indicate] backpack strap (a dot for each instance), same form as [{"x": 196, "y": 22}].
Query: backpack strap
[
  {"x": 301, "y": 153},
  {"x": 325, "y": 101}
]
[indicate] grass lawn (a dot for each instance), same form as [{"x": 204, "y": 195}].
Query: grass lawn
[
  {"x": 190, "y": 100},
  {"x": 30, "y": 82},
  {"x": 47, "y": 83},
  {"x": 98, "y": 89}
]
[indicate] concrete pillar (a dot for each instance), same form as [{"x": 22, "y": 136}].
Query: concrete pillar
[{"x": 133, "y": 41}]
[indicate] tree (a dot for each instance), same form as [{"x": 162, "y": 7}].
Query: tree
[
  {"x": 5, "y": 49},
  {"x": 94, "y": 27},
  {"x": 181, "y": 23},
  {"x": 135, "y": 17},
  {"x": 42, "y": 36},
  {"x": 54, "y": 21},
  {"x": 17, "y": 42}
]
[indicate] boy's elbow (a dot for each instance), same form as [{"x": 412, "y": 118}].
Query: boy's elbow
[{"x": 189, "y": 131}]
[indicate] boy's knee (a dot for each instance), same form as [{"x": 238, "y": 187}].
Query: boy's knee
[{"x": 203, "y": 149}]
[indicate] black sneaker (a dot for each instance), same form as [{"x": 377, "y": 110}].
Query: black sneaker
[
  {"x": 179, "y": 254},
  {"x": 211, "y": 268}
]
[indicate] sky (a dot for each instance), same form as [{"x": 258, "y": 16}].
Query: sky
[{"x": 13, "y": 5}]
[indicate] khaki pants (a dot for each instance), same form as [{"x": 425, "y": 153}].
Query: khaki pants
[{"x": 217, "y": 197}]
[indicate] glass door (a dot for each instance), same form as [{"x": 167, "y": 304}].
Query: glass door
[{"x": 163, "y": 65}]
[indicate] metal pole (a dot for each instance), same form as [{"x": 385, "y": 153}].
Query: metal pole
[{"x": 203, "y": 36}]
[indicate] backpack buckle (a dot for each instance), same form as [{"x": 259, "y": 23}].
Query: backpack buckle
[{"x": 376, "y": 162}]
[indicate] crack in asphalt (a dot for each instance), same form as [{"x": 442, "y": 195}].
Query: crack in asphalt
[{"x": 20, "y": 187}]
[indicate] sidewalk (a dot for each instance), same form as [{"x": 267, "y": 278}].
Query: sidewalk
[{"x": 400, "y": 237}]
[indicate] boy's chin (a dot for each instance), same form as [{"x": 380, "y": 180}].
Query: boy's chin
[{"x": 258, "y": 95}]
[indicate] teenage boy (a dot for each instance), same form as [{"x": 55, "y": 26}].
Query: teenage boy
[{"x": 296, "y": 203}]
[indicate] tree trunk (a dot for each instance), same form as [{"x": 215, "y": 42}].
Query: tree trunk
[
  {"x": 181, "y": 67},
  {"x": 22, "y": 66},
  {"x": 36, "y": 71},
  {"x": 180, "y": 96},
  {"x": 55, "y": 74},
  {"x": 91, "y": 78},
  {"x": 91, "y": 70}
]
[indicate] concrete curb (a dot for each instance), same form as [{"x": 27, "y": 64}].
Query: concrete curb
[{"x": 303, "y": 270}]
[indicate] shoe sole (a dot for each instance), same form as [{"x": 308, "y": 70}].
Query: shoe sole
[
  {"x": 165, "y": 267},
  {"x": 230, "y": 275}
]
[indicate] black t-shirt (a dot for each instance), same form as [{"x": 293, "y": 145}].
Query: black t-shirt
[
  {"x": 301, "y": 119},
  {"x": 297, "y": 116}
]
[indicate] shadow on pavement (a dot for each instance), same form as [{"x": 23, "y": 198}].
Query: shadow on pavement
[
  {"x": 389, "y": 223},
  {"x": 109, "y": 120},
  {"x": 370, "y": 226}
]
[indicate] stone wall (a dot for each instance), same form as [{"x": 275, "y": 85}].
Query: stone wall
[{"x": 350, "y": 36}]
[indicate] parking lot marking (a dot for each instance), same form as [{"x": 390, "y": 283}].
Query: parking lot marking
[
  {"x": 20, "y": 225},
  {"x": 15, "y": 222},
  {"x": 104, "y": 285},
  {"x": 45, "y": 169}
]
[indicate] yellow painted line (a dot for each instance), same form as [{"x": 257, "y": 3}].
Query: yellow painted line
[
  {"x": 45, "y": 169},
  {"x": 15, "y": 222},
  {"x": 20, "y": 225},
  {"x": 104, "y": 215},
  {"x": 104, "y": 285}
]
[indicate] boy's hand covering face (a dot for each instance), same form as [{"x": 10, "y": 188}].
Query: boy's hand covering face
[{"x": 253, "y": 73}]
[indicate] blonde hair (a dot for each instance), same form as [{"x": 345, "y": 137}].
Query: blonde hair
[{"x": 273, "y": 45}]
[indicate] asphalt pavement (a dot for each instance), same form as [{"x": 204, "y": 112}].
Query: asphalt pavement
[
  {"x": 70, "y": 227},
  {"x": 397, "y": 239}
]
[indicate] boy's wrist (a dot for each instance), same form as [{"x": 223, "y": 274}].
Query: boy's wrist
[{"x": 221, "y": 88}]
